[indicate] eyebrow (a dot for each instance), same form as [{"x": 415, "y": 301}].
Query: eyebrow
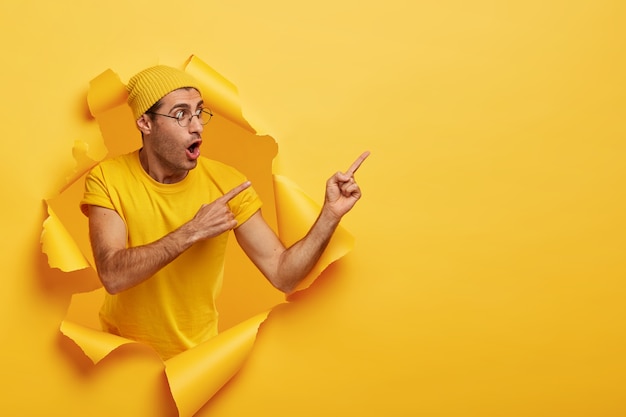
[{"x": 186, "y": 106}]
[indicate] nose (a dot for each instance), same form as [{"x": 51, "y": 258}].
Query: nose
[{"x": 195, "y": 125}]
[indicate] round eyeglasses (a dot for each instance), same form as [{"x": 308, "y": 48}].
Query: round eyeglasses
[{"x": 183, "y": 117}]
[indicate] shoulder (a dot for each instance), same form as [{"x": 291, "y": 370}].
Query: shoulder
[
  {"x": 219, "y": 170},
  {"x": 119, "y": 165},
  {"x": 125, "y": 161},
  {"x": 208, "y": 163},
  {"x": 225, "y": 177}
]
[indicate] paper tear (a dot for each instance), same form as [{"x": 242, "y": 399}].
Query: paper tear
[
  {"x": 58, "y": 244},
  {"x": 106, "y": 91},
  {"x": 84, "y": 162},
  {"x": 214, "y": 85},
  {"x": 94, "y": 343},
  {"x": 197, "y": 374}
]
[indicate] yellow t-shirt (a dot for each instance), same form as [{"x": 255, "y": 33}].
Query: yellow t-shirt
[{"x": 173, "y": 310}]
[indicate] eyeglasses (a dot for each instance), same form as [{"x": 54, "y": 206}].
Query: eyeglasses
[{"x": 183, "y": 117}]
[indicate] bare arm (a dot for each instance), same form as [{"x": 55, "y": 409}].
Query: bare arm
[
  {"x": 286, "y": 267},
  {"x": 121, "y": 268}
]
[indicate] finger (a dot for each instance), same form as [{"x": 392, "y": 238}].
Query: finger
[
  {"x": 234, "y": 192},
  {"x": 350, "y": 188},
  {"x": 356, "y": 164}
]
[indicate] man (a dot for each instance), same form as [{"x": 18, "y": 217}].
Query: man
[{"x": 159, "y": 219}]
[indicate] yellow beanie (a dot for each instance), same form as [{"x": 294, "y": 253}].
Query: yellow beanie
[{"x": 152, "y": 84}]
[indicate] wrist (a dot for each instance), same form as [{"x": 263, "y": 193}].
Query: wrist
[{"x": 328, "y": 216}]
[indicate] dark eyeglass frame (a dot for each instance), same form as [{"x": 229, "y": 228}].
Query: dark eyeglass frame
[{"x": 184, "y": 121}]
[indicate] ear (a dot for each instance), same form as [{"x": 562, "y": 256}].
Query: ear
[{"x": 144, "y": 123}]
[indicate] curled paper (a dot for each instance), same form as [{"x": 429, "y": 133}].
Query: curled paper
[
  {"x": 58, "y": 244},
  {"x": 215, "y": 85},
  {"x": 295, "y": 211},
  {"x": 94, "y": 343},
  {"x": 197, "y": 374}
]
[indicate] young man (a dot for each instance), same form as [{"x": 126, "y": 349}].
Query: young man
[{"x": 159, "y": 219}]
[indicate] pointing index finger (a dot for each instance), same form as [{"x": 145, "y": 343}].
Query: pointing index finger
[
  {"x": 356, "y": 164},
  {"x": 235, "y": 191}
]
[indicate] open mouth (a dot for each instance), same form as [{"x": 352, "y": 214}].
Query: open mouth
[{"x": 193, "y": 151}]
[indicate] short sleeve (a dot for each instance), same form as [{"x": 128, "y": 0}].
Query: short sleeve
[
  {"x": 96, "y": 191},
  {"x": 245, "y": 205}
]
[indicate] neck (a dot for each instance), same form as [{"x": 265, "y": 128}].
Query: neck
[{"x": 157, "y": 172}]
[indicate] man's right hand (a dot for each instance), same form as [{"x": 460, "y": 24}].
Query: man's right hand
[{"x": 215, "y": 218}]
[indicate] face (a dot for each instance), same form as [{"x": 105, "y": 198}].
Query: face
[{"x": 169, "y": 150}]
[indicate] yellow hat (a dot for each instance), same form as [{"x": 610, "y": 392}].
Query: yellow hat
[{"x": 152, "y": 84}]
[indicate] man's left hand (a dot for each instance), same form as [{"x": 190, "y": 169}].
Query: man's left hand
[{"x": 342, "y": 191}]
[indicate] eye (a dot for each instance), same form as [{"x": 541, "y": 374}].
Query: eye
[{"x": 180, "y": 115}]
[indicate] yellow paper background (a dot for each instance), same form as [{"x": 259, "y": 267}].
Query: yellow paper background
[
  {"x": 487, "y": 276},
  {"x": 199, "y": 373}
]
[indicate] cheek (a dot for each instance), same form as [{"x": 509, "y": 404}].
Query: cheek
[{"x": 166, "y": 144}]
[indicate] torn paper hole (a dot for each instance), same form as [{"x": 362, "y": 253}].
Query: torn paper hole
[{"x": 195, "y": 375}]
